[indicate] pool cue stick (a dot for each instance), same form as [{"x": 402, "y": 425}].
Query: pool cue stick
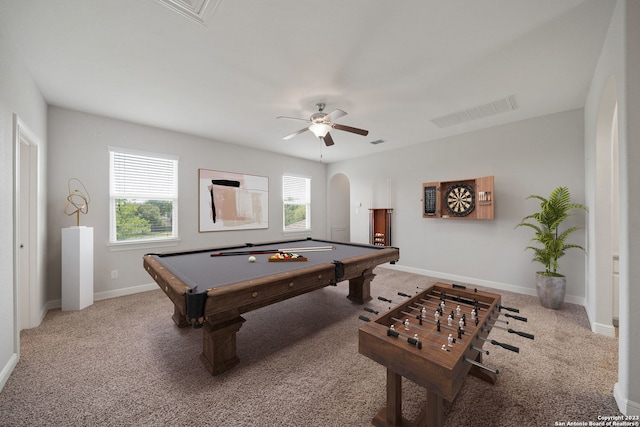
[
  {"x": 275, "y": 251},
  {"x": 308, "y": 249},
  {"x": 500, "y": 344},
  {"x": 480, "y": 365}
]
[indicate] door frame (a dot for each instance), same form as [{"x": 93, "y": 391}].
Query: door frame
[{"x": 25, "y": 138}]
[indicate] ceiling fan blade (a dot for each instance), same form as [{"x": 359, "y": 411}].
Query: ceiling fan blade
[
  {"x": 328, "y": 141},
  {"x": 335, "y": 114},
  {"x": 295, "y": 133},
  {"x": 350, "y": 129},
  {"x": 293, "y": 118}
]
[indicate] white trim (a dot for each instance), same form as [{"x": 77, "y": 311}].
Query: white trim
[
  {"x": 602, "y": 329},
  {"x": 7, "y": 369},
  {"x": 142, "y": 244},
  {"x": 626, "y": 406},
  {"x": 113, "y": 148},
  {"x": 111, "y": 294},
  {"x": 487, "y": 283}
]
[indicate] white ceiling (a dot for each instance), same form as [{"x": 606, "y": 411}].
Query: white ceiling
[{"x": 394, "y": 66}]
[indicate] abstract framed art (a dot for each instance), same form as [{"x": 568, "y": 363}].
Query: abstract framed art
[{"x": 232, "y": 201}]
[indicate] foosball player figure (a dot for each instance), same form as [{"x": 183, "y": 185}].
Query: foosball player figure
[
  {"x": 458, "y": 311},
  {"x": 436, "y": 316},
  {"x": 460, "y": 332},
  {"x": 450, "y": 339},
  {"x": 406, "y": 324},
  {"x": 449, "y": 320}
]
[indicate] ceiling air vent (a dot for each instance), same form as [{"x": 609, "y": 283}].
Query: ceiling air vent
[
  {"x": 200, "y": 11},
  {"x": 475, "y": 113}
]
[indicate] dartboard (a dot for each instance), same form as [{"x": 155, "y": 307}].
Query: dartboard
[{"x": 460, "y": 199}]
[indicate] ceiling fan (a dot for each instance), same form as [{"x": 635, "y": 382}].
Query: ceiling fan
[{"x": 322, "y": 123}]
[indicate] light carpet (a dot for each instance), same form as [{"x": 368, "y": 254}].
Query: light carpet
[{"x": 123, "y": 362}]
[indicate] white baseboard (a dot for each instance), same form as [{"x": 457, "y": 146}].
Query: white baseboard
[
  {"x": 626, "y": 406},
  {"x": 109, "y": 294},
  {"x": 7, "y": 369},
  {"x": 602, "y": 329},
  {"x": 487, "y": 283}
]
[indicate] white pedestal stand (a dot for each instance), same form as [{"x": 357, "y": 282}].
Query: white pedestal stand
[{"x": 77, "y": 268}]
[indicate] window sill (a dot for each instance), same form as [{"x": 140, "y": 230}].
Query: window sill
[
  {"x": 296, "y": 233},
  {"x": 129, "y": 246}
]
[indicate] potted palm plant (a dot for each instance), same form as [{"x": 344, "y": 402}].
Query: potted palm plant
[{"x": 550, "y": 284}]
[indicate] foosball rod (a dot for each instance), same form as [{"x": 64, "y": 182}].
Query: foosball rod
[
  {"x": 500, "y": 307},
  {"x": 391, "y": 332},
  {"x": 419, "y": 327},
  {"x": 500, "y": 344},
  {"x": 480, "y": 365},
  {"x": 511, "y": 331},
  {"x": 463, "y": 301},
  {"x": 443, "y": 325},
  {"x": 475, "y": 320},
  {"x": 434, "y": 303}
]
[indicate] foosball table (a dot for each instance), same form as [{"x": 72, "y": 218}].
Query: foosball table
[{"x": 434, "y": 339}]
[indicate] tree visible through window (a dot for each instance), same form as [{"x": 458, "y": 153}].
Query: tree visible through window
[
  {"x": 144, "y": 196},
  {"x": 296, "y": 202}
]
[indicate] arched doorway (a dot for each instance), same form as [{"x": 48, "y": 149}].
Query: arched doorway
[{"x": 339, "y": 208}]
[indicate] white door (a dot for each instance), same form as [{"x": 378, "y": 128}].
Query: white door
[{"x": 26, "y": 189}]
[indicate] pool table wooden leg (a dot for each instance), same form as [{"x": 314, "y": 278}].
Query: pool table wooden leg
[
  {"x": 219, "y": 344},
  {"x": 360, "y": 287},
  {"x": 179, "y": 318}
]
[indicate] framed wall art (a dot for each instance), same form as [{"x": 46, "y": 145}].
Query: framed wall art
[{"x": 232, "y": 201}]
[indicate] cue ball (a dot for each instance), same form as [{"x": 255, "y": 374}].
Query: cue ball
[{"x": 252, "y": 259}]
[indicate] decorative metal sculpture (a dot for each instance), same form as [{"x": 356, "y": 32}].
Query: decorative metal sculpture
[{"x": 78, "y": 199}]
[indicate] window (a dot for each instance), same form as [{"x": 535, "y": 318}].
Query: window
[
  {"x": 143, "y": 192},
  {"x": 296, "y": 202}
]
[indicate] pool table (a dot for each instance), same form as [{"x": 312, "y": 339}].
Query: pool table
[{"x": 229, "y": 284}]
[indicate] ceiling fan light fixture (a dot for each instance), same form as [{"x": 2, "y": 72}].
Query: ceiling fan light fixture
[{"x": 320, "y": 129}]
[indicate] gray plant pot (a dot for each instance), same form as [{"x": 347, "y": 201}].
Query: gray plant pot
[{"x": 551, "y": 290}]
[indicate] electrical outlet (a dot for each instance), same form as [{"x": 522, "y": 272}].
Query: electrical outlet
[{"x": 114, "y": 274}]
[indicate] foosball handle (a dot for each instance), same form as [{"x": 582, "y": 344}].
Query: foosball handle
[
  {"x": 515, "y": 310},
  {"x": 522, "y": 334},
  {"x": 520, "y": 318},
  {"x": 506, "y": 346}
]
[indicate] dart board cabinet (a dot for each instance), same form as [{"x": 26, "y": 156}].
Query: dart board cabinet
[{"x": 461, "y": 199}]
